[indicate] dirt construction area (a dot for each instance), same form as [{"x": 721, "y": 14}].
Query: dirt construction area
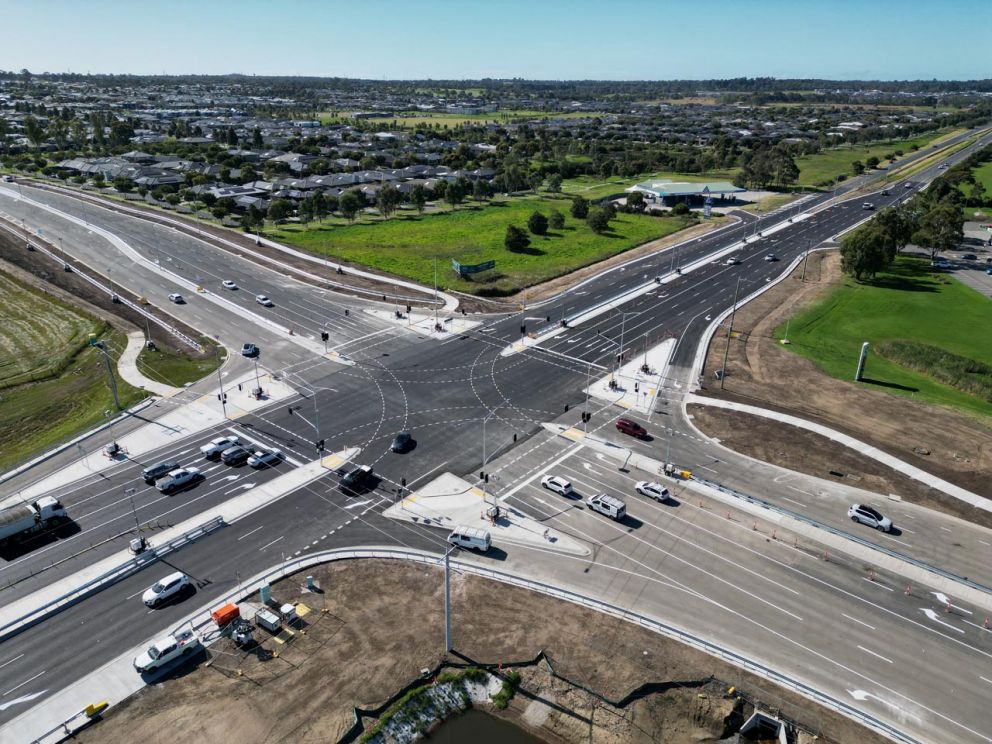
[
  {"x": 378, "y": 623},
  {"x": 762, "y": 373}
]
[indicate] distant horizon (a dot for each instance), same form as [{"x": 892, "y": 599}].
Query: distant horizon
[{"x": 550, "y": 40}]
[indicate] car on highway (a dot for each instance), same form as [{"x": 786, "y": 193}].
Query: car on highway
[
  {"x": 557, "y": 484},
  {"x": 166, "y": 649},
  {"x": 235, "y": 456},
  {"x": 8, "y": 179},
  {"x": 652, "y": 490},
  {"x": 154, "y": 472},
  {"x": 868, "y": 205},
  {"x": 907, "y": 185},
  {"x": 989, "y": 271},
  {"x": 611, "y": 506},
  {"x": 228, "y": 284},
  {"x": 357, "y": 479},
  {"x": 401, "y": 442},
  {"x": 868, "y": 516},
  {"x": 634, "y": 429},
  {"x": 771, "y": 257},
  {"x": 732, "y": 261},
  {"x": 177, "y": 298},
  {"x": 265, "y": 458},
  {"x": 179, "y": 478},
  {"x": 263, "y": 300},
  {"x": 884, "y": 192},
  {"x": 249, "y": 350},
  {"x": 214, "y": 447},
  {"x": 165, "y": 588}
]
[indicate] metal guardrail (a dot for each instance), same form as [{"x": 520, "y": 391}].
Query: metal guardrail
[
  {"x": 122, "y": 571},
  {"x": 846, "y": 535},
  {"x": 568, "y": 595}
]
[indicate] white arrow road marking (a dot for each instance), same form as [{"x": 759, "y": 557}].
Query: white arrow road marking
[
  {"x": 863, "y": 695},
  {"x": 229, "y": 478},
  {"x": 945, "y": 600},
  {"x": 22, "y": 699},
  {"x": 933, "y": 616}
]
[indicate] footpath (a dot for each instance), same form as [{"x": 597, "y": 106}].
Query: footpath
[{"x": 127, "y": 366}]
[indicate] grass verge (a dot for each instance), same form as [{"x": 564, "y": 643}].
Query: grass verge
[
  {"x": 593, "y": 187},
  {"x": 907, "y": 302},
  {"x": 177, "y": 368}
]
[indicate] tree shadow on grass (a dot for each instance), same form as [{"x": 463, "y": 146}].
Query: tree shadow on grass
[
  {"x": 528, "y": 251},
  {"x": 893, "y": 385}
]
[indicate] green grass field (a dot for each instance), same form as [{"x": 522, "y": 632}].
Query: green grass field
[
  {"x": 593, "y": 187},
  {"x": 406, "y": 245},
  {"x": 983, "y": 175},
  {"x": 827, "y": 164},
  {"x": 908, "y": 302},
  {"x": 176, "y": 369}
]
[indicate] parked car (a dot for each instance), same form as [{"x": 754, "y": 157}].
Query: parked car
[
  {"x": 214, "y": 447},
  {"x": 234, "y": 456},
  {"x": 166, "y": 649},
  {"x": 263, "y": 300},
  {"x": 265, "y": 458},
  {"x": 249, "y": 350},
  {"x": 153, "y": 472},
  {"x": 872, "y": 518},
  {"x": 969, "y": 257},
  {"x": 401, "y": 442},
  {"x": 557, "y": 484},
  {"x": 608, "y": 505},
  {"x": 228, "y": 284},
  {"x": 179, "y": 479},
  {"x": 177, "y": 298},
  {"x": 652, "y": 490},
  {"x": 165, "y": 588},
  {"x": 634, "y": 429},
  {"x": 357, "y": 479}
]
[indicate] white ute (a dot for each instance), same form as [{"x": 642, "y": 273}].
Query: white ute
[
  {"x": 214, "y": 447},
  {"x": 178, "y": 479},
  {"x": 166, "y": 649}
]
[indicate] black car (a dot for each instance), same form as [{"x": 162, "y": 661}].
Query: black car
[
  {"x": 235, "y": 456},
  {"x": 401, "y": 442},
  {"x": 157, "y": 471},
  {"x": 357, "y": 480}
]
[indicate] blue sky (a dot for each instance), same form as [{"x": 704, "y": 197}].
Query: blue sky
[{"x": 537, "y": 39}]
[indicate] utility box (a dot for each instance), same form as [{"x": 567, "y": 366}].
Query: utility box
[
  {"x": 268, "y": 620},
  {"x": 288, "y": 613},
  {"x": 224, "y": 615}
]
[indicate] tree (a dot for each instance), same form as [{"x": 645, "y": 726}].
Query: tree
[
  {"x": 350, "y": 204},
  {"x": 481, "y": 189},
  {"x": 556, "y": 220},
  {"x": 978, "y": 194},
  {"x": 863, "y": 252},
  {"x": 454, "y": 193},
  {"x": 554, "y": 183},
  {"x": 610, "y": 210},
  {"x": 319, "y": 202},
  {"x": 388, "y": 199},
  {"x": 785, "y": 168},
  {"x": 537, "y": 223},
  {"x": 872, "y": 163},
  {"x": 757, "y": 171},
  {"x": 516, "y": 239},
  {"x": 635, "y": 201},
  {"x": 418, "y": 197},
  {"x": 58, "y": 130},
  {"x": 256, "y": 139},
  {"x": 897, "y": 225},
  {"x": 33, "y": 130},
  {"x": 280, "y": 209},
  {"x": 681, "y": 210},
  {"x": 534, "y": 180},
  {"x": 941, "y": 229},
  {"x": 857, "y": 167},
  {"x": 123, "y": 184},
  {"x": 580, "y": 208},
  {"x": 598, "y": 220}
]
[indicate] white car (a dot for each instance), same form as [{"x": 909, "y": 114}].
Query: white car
[
  {"x": 731, "y": 261},
  {"x": 265, "y": 458},
  {"x": 771, "y": 257},
  {"x": 228, "y": 284},
  {"x": 652, "y": 490},
  {"x": 263, "y": 300},
  {"x": 177, "y": 298},
  {"x": 166, "y": 649},
  {"x": 558, "y": 485},
  {"x": 179, "y": 478},
  {"x": 164, "y": 588},
  {"x": 214, "y": 447},
  {"x": 867, "y": 515}
]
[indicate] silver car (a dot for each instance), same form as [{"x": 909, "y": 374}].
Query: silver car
[{"x": 867, "y": 515}]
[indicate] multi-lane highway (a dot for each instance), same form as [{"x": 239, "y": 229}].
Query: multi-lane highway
[{"x": 461, "y": 397}]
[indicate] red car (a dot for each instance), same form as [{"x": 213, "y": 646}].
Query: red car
[{"x": 631, "y": 427}]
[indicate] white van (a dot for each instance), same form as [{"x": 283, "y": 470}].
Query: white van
[
  {"x": 608, "y": 505},
  {"x": 471, "y": 538}
]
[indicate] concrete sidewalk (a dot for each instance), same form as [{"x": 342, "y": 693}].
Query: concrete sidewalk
[
  {"x": 185, "y": 421},
  {"x": 865, "y": 449},
  {"x": 449, "y": 501},
  {"x": 422, "y": 322},
  {"x": 127, "y": 366},
  {"x": 639, "y": 381}
]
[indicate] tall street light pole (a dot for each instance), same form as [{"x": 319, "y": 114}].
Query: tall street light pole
[{"x": 730, "y": 330}]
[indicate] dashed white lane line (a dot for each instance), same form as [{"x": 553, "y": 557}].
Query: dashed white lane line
[
  {"x": 859, "y": 622},
  {"x": 875, "y": 583},
  {"x": 267, "y": 545},
  {"x": 11, "y": 661},
  {"x": 251, "y": 533},
  {"x": 869, "y": 651},
  {"x": 985, "y": 679},
  {"x": 18, "y": 687},
  {"x": 985, "y": 543},
  {"x": 798, "y": 503},
  {"x": 802, "y": 491},
  {"x": 945, "y": 529}
]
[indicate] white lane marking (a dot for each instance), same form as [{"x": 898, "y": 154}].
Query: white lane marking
[
  {"x": 933, "y": 616},
  {"x": 410, "y": 484},
  {"x": 802, "y": 491},
  {"x": 909, "y": 516},
  {"x": 251, "y": 533},
  {"x": 23, "y": 683},
  {"x": 799, "y": 503},
  {"x": 946, "y": 601},
  {"x": 880, "y": 586},
  {"x": 271, "y": 543},
  {"x": 860, "y": 622},
  {"x": 985, "y": 543},
  {"x": 22, "y": 699},
  {"x": 945, "y": 529},
  {"x": 11, "y": 661},
  {"x": 706, "y": 468},
  {"x": 357, "y": 503},
  {"x": 869, "y": 651},
  {"x": 983, "y": 678},
  {"x": 980, "y": 627}
]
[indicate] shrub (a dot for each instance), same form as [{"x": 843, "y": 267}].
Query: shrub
[{"x": 681, "y": 210}]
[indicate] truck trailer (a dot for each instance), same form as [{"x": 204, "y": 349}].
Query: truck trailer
[{"x": 23, "y": 520}]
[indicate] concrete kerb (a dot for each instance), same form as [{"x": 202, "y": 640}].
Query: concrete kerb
[{"x": 116, "y": 680}]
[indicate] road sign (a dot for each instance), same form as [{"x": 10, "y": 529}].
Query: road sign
[{"x": 464, "y": 269}]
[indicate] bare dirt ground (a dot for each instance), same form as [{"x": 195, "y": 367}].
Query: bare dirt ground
[
  {"x": 380, "y": 622},
  {"x": 951, "y": 445}
]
